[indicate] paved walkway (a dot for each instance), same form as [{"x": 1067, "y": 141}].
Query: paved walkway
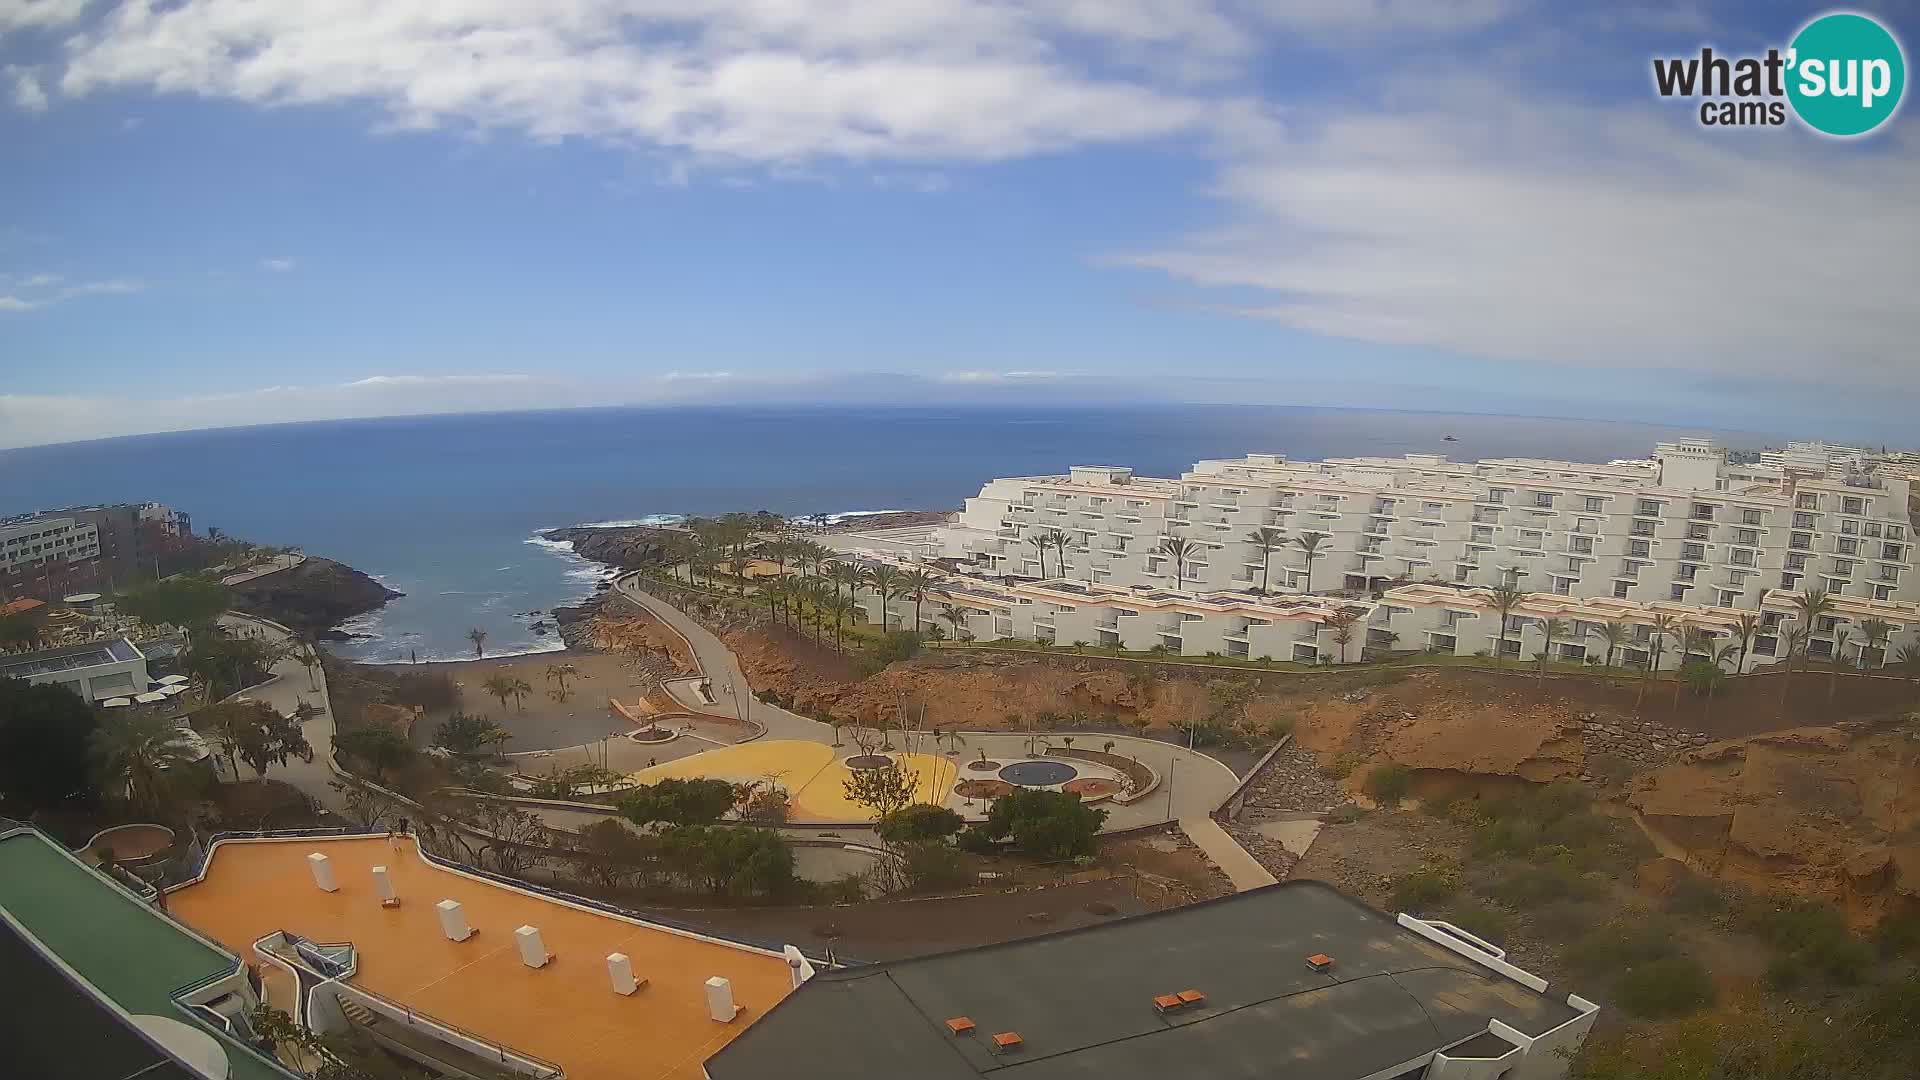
[
  {"x": 285, "y": 693},
  {"x": 1226, "y": 853}
]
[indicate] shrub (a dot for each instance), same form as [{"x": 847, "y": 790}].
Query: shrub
[
  {"x": 1522, "y": 886},
  {"x": 1620, "y": 945},
  {"x": 674, "y": 801},
  {"x": 931, "y": 865},
  {"x": 433, "y": 690},
  {"x": 1425, "y": 888},
  {"x": 1810, "y": 941},
  {"x": 1672, "y": 985},
  {"x": 1899, "y": 935},
  {"x": 1281, "y": 726},
  {"x": 919, "y": 823},
  {"x": 1696, "y": 897},
  {"x": 1043, "y": 824},
  {"x": 1478, "y": 919},
  {"x": 1388, "y": 784}
]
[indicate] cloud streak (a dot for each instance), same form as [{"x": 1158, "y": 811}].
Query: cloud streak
[{"x": 42, "y": 290}]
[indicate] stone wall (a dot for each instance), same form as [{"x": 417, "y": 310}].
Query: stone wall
[{"x": 1642, "y": 743}]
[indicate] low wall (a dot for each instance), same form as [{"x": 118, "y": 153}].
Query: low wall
[
  {"x": 1231, "y": 807},
  {"x": 1141, "y": 779}
]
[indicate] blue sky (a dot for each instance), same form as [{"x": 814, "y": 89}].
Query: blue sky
[{"x": 219, "y": 212}]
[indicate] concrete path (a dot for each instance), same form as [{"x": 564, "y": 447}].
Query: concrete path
[
  {"x": 1226, "y": 853},
  {"x": 286, "y": 692}
]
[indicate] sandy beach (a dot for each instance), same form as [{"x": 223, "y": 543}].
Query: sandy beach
[{"x": 539, "y": 722}]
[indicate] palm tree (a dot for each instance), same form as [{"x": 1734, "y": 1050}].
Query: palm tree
[
  {"x": 775, "y": 592},
  {"x": 560, "y": 673},
  {"x": 1309, "y": 542},
  {"x": 844, "y": 608},
  {"x": 1059, "y": 539},
  {"x": 1808, "y": 606},
  {"x": 499, "y": 686},
  {"x": 1745, "y": 628},
  {"x": 1552, "y": 628},
  {"x": 1840, "y": 635},
  {"x": 846, "y": 574},
  {"x": 955, "y": 616},
  {"x": 1615, "y": 633},
  {"x": 1504, "y": 597},
  {"x": 479, "y": 638},
  {"x": 1796, "y": 641},
  {"x": 1876, "y": 632},
  {"x": 1179, "y": 549},
  {"x": 136, "y": 751},
  {"x": 884, "y": 580},
  {"x": 1040, "y": 542},
  {"x": 914, "y": 586},
  {"x": 1662, "y": 626},
  {"x": 1266, "y": 539},
  {"x": 1693, "y": 639}
]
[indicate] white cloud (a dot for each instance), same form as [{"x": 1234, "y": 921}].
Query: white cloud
[
  {"x": 276, "y": 266},
  {"x": 757, "y": 82},
  {"x": 997, "y": 376},
  {"x": 44, "y": 290},
  {"x": 40, "y": 14},
  {"x": 26, "y": 89},
  {"x": 1550, "y": 232}
]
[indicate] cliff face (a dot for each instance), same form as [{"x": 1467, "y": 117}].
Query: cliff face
[
  {"x": 629, "y": 548},
  {"x": 317, "y": 594}
]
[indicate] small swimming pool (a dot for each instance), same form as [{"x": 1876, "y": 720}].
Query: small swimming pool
[{"x": 1038, "y": 773}]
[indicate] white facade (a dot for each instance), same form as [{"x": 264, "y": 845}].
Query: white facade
[
  {"x": 96, "y": 671},
  {"x": 1685, "y": 528},
  {"x": 25, "y": 545}
]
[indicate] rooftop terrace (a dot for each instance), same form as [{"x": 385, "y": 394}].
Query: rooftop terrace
[
  {"x": 72, "y": 657},
  {"x": 563, "y": 1012}
]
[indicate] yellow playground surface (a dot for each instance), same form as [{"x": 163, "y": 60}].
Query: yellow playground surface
[{"x": 811, "y": 772}]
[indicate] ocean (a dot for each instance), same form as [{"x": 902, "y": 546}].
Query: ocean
[{"x": 447, "y": 509}]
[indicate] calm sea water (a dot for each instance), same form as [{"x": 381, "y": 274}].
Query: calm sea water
[{"x": 446, "y": 509}]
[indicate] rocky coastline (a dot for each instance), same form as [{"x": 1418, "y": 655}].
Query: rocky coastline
[
  {"x": 629, "y": 547},
  {"x": 313, "y": 597}
]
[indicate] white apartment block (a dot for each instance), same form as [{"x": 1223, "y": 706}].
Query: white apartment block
[
  {"x": 27, "y": 545},
  {"x": 1683, "y": 533}
]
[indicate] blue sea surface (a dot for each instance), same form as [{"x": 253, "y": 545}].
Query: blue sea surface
[{"x": 447, "y": 508}]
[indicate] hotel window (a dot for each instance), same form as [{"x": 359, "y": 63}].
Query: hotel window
[
  {"x": 1771, "y": 619},
  {"x": 1826, "y": 624},
  {"x": 1891, "y": 551},
  {"x": 1497, "y": 495},
  {"x": 1883, "y": 592},
  {"x": 1807, "y": 501},
  {"x": 1643, "y": 528},
  {"x": 1788, "y": 581},
  {"x": 1803, "y": 521},
  {"x": 1460, "y": 572},
  {"x": 1542, "y": 498},
  {"x": 1850, "y": 528},
  {"x": 1871, "y": 528},
  {"x": 1853, "y": 506},
  {"x": 1648, "y": 507},
  {"x": 1702, "y": 512},
  {"x": 1800, "y": 541},
  {"x": 1893, "y": 532},
  {"x": 1749, "y": 517},
  {"x": 1889, "y": 573},
  {"x": 1843, "y": 567},
  {"x": 1749, "y": 537},
  {"x": 1585, "y": 525},
  {"x": 1563, "y": 586},
  {"x": 1687, "y": 571},
  {"x": 1595, "y": 504},
  {"x": 1678, "y": 592},
  {"x": 1847, "y": 547},
  {"x": 1699, "y": 532},
  {"x": 1583, "y": 544},
  {"x": 1728, "y": 599},
  {"x": 1620, "y": 589},
  {"x": 1693, "y": 551},
  {"x": 1740, "y": 558},
  {"x": 1639, "y": 548}
]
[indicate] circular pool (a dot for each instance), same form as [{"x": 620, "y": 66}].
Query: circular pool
[
  {"x": 132, "y": 843},
  {"x": 1038, "y": 773},
  {"x": 868, "y": 761}
]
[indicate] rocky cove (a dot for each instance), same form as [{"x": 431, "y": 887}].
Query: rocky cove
[{"x": 313, "y": 597}]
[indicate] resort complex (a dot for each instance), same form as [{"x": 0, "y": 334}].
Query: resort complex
[{"x": 1333, "y": 561}]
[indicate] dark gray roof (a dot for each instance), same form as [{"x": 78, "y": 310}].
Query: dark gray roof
[
  {"x": 1082, "y": 1001},
  {"x": 53, "y": 1028}
]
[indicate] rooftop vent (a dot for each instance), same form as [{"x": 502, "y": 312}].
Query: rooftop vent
[
  {"x": 1167, "y": 1002},
  {"x": 1320, "y": 962},
  {"x": 1192, "y": 997},
  {"x": 960, "y": 1025},
  {"x": 1007, "y": 1041}
]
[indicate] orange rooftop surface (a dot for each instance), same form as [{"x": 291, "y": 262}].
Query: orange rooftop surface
[{"x": 564, "y": 1012}]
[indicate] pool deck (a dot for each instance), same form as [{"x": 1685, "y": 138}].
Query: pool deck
[{"x": 563, "y": 1012}]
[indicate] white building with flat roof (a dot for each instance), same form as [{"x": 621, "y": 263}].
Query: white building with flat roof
[
  {"x": 29, "y": 544},
  {"x": 96, "y": 670}
]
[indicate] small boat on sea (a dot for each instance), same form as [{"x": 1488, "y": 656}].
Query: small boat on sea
[{"x": 1450, "y": 439}]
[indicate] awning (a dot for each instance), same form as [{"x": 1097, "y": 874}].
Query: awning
[
  {"x": 115, "y": 703},
  {"x": 148, "y": 699},
  {"x": 172, "y": 689},
  {"x": 171, "y": 680}
]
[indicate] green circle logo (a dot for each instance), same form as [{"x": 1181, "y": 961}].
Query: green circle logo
[{"x": 1845, "y": 74}]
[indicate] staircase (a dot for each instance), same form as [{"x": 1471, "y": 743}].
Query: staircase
[{"x": 358, "y": 1014}]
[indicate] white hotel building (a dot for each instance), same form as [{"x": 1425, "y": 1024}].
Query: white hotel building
[{"x": 1414, "y": 542}]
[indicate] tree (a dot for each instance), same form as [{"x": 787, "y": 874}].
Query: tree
[
  {"x": 1504, "y": 597},
  {"x": 729, "y": 860},
  {"x": 1662, "y": 625},
  {"x": 45, "y": 735},
  {"x": 1615, "y": 633},
  {"x": 376, "y": 746},
  {"x": 1694, "y": 641},
  {"x": 885, "y": 582},
  {"x": 1796, "y": 643},
  {"x": 1039, "y": 542},
  {"x": 226, "y": 663},
  {"x": 142, "y": 754},
  {"x": 1342, "y": 623},
  {"x": 193, "y": 602},
  {"x": 558, "y": 674},
  {"x": 1266, "y": 539},
  {"x": 1550, "y": 628},
  {"x": 256, "y": 733},
  {"x": 674, "y": 801},
  {"x": 1309, "y": 544},
  {"x": 1059, "y": 539},
  {"x": 1179, "y": 549},
  {"x": 918, "y": 823},
  {"x": 1745, "y": 629},
  {"x": 1703, "y": 677},
  {"x": 914, "y": 586},
  {"x": 883, "y": 790},
  {"x": 500, "y": 687},
  {"x": 956, "y": 616},
  {"x": 845, "y": 610},
  {"x": 1043, "y": 824},
  {"x": 1840, "y": 635},
  {"x": 470, "y": 736},
  {"x": 610, "y": 854},
  {"x": 519, "y": 689},
  {"x": 479, "y": 639},
  {"x": 1876, "y": 632}
]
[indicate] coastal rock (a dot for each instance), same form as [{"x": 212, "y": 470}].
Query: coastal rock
[
  {"x": 312, "y": 597},
  {"x": 630, "y": 547}
]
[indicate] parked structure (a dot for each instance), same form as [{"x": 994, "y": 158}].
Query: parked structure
[
  {"x": 1288, "y": 982},
  {"x": 97, "y": 670}
]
